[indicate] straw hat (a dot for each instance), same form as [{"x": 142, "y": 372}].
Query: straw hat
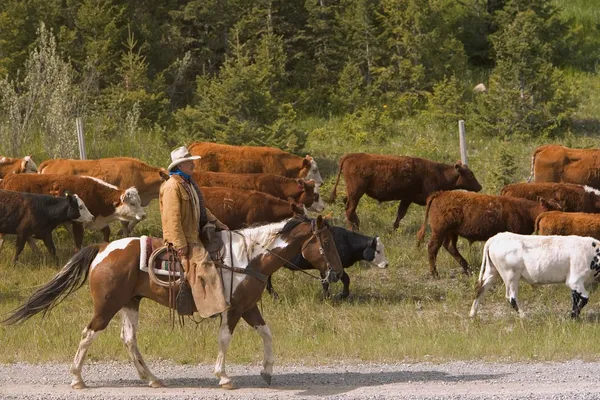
[{"x": 180, "y": 155}]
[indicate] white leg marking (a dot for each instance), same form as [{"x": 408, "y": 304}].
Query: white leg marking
[
  {"x": 267, "y": 338},
  {"x": 129, "y": 327},
  {"x": 224, "y": 340},
  {"x": 87, "y": 337}
]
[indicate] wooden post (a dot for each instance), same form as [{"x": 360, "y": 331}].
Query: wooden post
[
  {"x": 80, "y": 138},
  {"x": 463, "y": 141}
]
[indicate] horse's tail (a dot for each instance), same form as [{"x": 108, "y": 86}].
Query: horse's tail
[
  {"x": 333, "y": 193},
  {"x": 70, "y": 278},
  {"x": 421, "y": 232}
]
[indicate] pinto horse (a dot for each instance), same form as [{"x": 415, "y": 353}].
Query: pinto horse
[{"x": 117, "y": 284}]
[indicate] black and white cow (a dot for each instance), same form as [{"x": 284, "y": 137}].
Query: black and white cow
[{"x": 352, "y": 247}]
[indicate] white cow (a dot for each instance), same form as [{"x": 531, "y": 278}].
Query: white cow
[{"x": 573, "y": 260}]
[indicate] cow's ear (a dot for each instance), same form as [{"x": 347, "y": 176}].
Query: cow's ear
[
  {"x": 305, "y": 163},
  {"x": 374, "y": 243},
  {"x": 23, "y": 165},
  {"x": 164, "y": 174},
  {"x": 320, "y": 222},
  {"x": 458, "y": 166},
  {"x": 297, "y": 209},
  {"x": 300, "y": 183}
]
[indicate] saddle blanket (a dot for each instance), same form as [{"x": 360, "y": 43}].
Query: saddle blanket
[{"x": 161, "y": 267}]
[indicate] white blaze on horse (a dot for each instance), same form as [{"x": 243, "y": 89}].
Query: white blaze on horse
[
  {"x": 117, "y": 284},
  {"x": 573, "y": 260}
]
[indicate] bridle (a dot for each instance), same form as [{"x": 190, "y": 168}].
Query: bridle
[{"x": 316, "y": 234}]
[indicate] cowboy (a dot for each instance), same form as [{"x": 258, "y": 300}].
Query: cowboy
[{"x": 184, "y": 219}]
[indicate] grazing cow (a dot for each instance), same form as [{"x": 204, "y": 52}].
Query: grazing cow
[
  {"x": 571, "y": 197},
  {"x": 253, "y": 159},
  {"x": 10, "y": 166},
  {"x": 408, "y": 179},
  {"x": 238, "y": 208},
  {"x": 351, "y": 247},
  {"x": 106, "y": 202},
  {"x": 565, "y": 224},
  {"x": 554, "y": 163},
  {"x": 573, "y": 260},
  {"x": 123, "y": 172},
  {"x": 475, "y": 217},
  {"x": 302, "y": 191},
  {"x": 30, "y": 215}
]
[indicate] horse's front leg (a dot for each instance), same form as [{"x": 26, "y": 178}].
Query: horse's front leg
[
  {"x": 229, "y": 320},
  {"x": 255, "y": 320}
]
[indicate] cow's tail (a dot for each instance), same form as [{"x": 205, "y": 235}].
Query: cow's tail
[
  {"x": 486, "y": 263},
  {"x": 333, "y": 193},
  {"x": 70, "y": 278},
  {"x": 532, "y": 173},
  {"x": 42, "y": 166},
  {"x": 421, "y": 232},
  {"x": 536, "y": 226}
]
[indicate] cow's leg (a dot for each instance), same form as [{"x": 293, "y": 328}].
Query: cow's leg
[
  {"x": 100, "y": 320},
  {"x": 325, "y": 286},
  {"x": 270, "y": 289},
  {"x": 106, "y": 233},
  {"x": 50, "y": 246},
  {"x": 402, "y": 208},
  {"x": 351, "y": 204},
  {"x": 255, "y": 320},
  {"x": 130, "y": 317},
  {"x": 346, "y": 290},
  {"x": 34, "y": 247},
  {"x": 77, "y": 230},
  {"x": 450, "y": 246},
  {"x": 229, "y": 320},
  {"x": 435, "y": 242},
  {"x": 483, "y": 285},
  {"x": 512, "y": 289},
  {"x": 127, "y": 228},
  {"x": 579, "y": 294},
  {"x": 19, "y": 245}
]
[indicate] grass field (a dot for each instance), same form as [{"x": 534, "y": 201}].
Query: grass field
[{"x": 397, "y": 314}]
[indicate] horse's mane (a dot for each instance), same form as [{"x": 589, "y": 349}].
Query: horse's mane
[{"x": 292, "y": 223}]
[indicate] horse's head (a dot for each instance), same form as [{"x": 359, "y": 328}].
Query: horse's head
[{"x": 320, "y": 251}]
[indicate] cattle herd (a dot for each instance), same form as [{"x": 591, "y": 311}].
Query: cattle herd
[{"x": 245, "y": 185}]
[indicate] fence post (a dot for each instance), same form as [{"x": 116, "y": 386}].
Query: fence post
[
  {"x": 80, "y": 138},
  {"x": 463, "y": 141}
]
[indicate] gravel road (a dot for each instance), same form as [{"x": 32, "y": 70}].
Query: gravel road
[{"x": 456, "y": 380}]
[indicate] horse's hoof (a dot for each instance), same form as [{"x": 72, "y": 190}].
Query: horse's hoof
[
  {"x": 266, "y": 377},
  {"x": 157, "y": 384},
  {"x": 78, "y": 385},
  {"x": 228, "y": 386}
]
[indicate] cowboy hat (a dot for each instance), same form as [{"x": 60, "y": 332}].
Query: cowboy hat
[{"x": 180, "y": 155}]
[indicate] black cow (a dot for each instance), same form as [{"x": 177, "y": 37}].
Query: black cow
[
  {"x": 30, "y": 215},
  {"x": 352, "y": 247}
]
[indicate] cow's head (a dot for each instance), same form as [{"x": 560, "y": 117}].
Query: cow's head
[
  {"x": 129, "y": 206},
  {"x": 28, "y": 166},
  {"x": 77, "y": 211},
  {"x": 308, "y": 191},
  {"x": 375, "y": 253},
  {"x": 297, "y": 208},
  {"x": 310, "y": 170},
  {"x": 466, "y": 179}
]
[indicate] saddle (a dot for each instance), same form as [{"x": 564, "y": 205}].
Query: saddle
[{"x": 163, "y": 263}]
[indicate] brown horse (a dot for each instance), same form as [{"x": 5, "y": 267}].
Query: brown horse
[{"x": 118, "y": 284}]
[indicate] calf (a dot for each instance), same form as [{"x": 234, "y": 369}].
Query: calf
[
  {"x": 238, "y": 208},
  {"x": 351, "y": 247},
  {"x": 9, "y": 166},
  {"x": 408, "y": 179},
  {"x": 554, "y": 163},
  {"x": 564, "y": 224},
  {"x": 30, "y": 215},
  {"x": 475, "y": 217},
  {"x": 572, "y": 260},
  {"x": 571, "y": 197},
  {"x": 302, "y": 191},
  {"x": 106, "y": 202}
]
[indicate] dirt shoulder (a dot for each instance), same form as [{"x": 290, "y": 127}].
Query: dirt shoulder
[{"x": 464, "y": 380}]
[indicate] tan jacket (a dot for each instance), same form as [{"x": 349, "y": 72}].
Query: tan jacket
[{"x": 179, "y": 221}]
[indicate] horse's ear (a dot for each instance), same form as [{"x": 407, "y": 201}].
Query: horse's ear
[{"x": 320, "y": 222}]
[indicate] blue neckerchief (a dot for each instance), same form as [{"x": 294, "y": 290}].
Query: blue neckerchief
[{"x": 181, "y": 173}]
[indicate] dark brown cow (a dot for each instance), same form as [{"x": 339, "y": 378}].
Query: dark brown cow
[
  {"x": 300, "y": 190},
  {"x": 10, "y": 166},
  {"x": 253, "y": 159},
  {"x": 571, "y": 197},
  {"x": 564, "y": 224},
  {"x": 408, "y": 179},
  {"x": 554, "y": 163},
  {"x": 106, "y": 202},
  {"x": 476, "y": 217},
  {"x": 238, "y": 208}
]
